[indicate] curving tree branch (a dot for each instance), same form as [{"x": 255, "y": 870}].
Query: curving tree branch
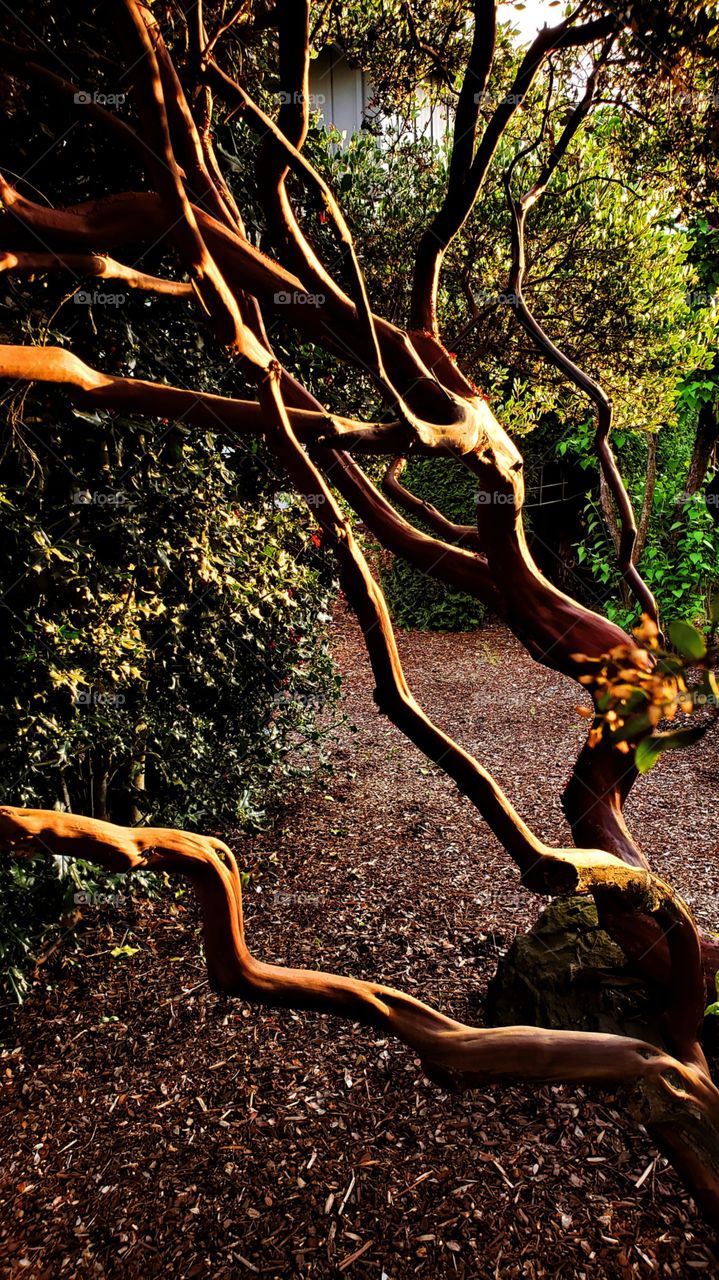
[
  {"x": 436, "y": 410},
  {"x": 96, "y": 266},
  {"x": 674, "y": 1098},
  {"x": 199, "y": 408},
  {"x": 610, "y": 472},
  {"x": 464, "y": 535}
]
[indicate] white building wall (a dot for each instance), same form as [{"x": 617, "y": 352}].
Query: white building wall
[
  {"x": 338, "y": 91},
  {"x": 342, "y": 95}
]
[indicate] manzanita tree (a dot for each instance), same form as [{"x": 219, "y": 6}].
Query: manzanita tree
[{"x": 430, "y": 407}]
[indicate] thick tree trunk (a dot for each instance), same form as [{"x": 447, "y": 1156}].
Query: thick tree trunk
[
  {"x": 650, "y": 485},
  {"x": 705, "y": 442}
]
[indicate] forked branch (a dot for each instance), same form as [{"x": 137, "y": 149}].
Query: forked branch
[
  {"x": 589, "y": 385},
  {"x": 469, "y": 175}
]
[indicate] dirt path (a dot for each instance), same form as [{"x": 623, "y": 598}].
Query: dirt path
[{"x": 151, "y": 1128}]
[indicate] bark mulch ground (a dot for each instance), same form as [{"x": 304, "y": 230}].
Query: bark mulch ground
[{"x": 150, "y": 1127}]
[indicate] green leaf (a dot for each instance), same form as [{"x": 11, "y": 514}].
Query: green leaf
[
  {"x": 649, "y": 749},
  {"x": 123, "y": 951},
  {"x": 646, "y": 755},
  {"x": 687, "y": 639}
]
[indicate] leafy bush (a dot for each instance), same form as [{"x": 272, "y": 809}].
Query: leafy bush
[
  {"x": 680, "y": 560},
  {"x": 165, "y": 655},
  {"x": 37, "y": 896},
  {"x": 166, "y": 639},
  {"x": 31, "y": 894},
  {"x": 420, "y": 603}
]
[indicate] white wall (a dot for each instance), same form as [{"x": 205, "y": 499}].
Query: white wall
[
  {"x": 339, "y": 92},
  {"x": 342, "y": 95}
]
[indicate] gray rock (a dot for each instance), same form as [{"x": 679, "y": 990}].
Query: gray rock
[{"x": 568, "y": 973}]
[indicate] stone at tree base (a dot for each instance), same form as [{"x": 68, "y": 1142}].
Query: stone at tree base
[{"x": 566, "y": 972}]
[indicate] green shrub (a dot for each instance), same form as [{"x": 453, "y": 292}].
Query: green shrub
[{"x": 165, "y": 604}]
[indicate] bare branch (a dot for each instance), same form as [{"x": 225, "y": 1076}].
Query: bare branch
[
  {"x": 233, "y": 94},
  {"x": 460, "y": 198},
  {"x": 454, "y": 566},
  {"x": 187, "y": 143},
  {"x": 133, "y": 216},
  {"x": 212, "y": 870},
  {"x": 201, "y": 409},
  {"x": 20, "y": 64},
  {"x": 541, "y": 866},
  {"x": 677, "y": 1098},
  {"x": 165, "y": 172}
]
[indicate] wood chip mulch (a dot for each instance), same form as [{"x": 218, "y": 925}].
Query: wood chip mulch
[{"x": 149, "y": 1127}]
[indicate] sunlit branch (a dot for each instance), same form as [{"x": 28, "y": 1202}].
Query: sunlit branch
[
  {"x": 463, "y": 535},
  {"x": 164, "y": 170},
  {"x": 473, "y": 1055},
  {"x": 95, "y": 266},
  {"x": 198, "y": 408}
]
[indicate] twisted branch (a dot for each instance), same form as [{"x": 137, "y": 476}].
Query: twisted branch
[
  {"x": 459, "y": 201},
  {"x": 676, "y": 1099}
]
